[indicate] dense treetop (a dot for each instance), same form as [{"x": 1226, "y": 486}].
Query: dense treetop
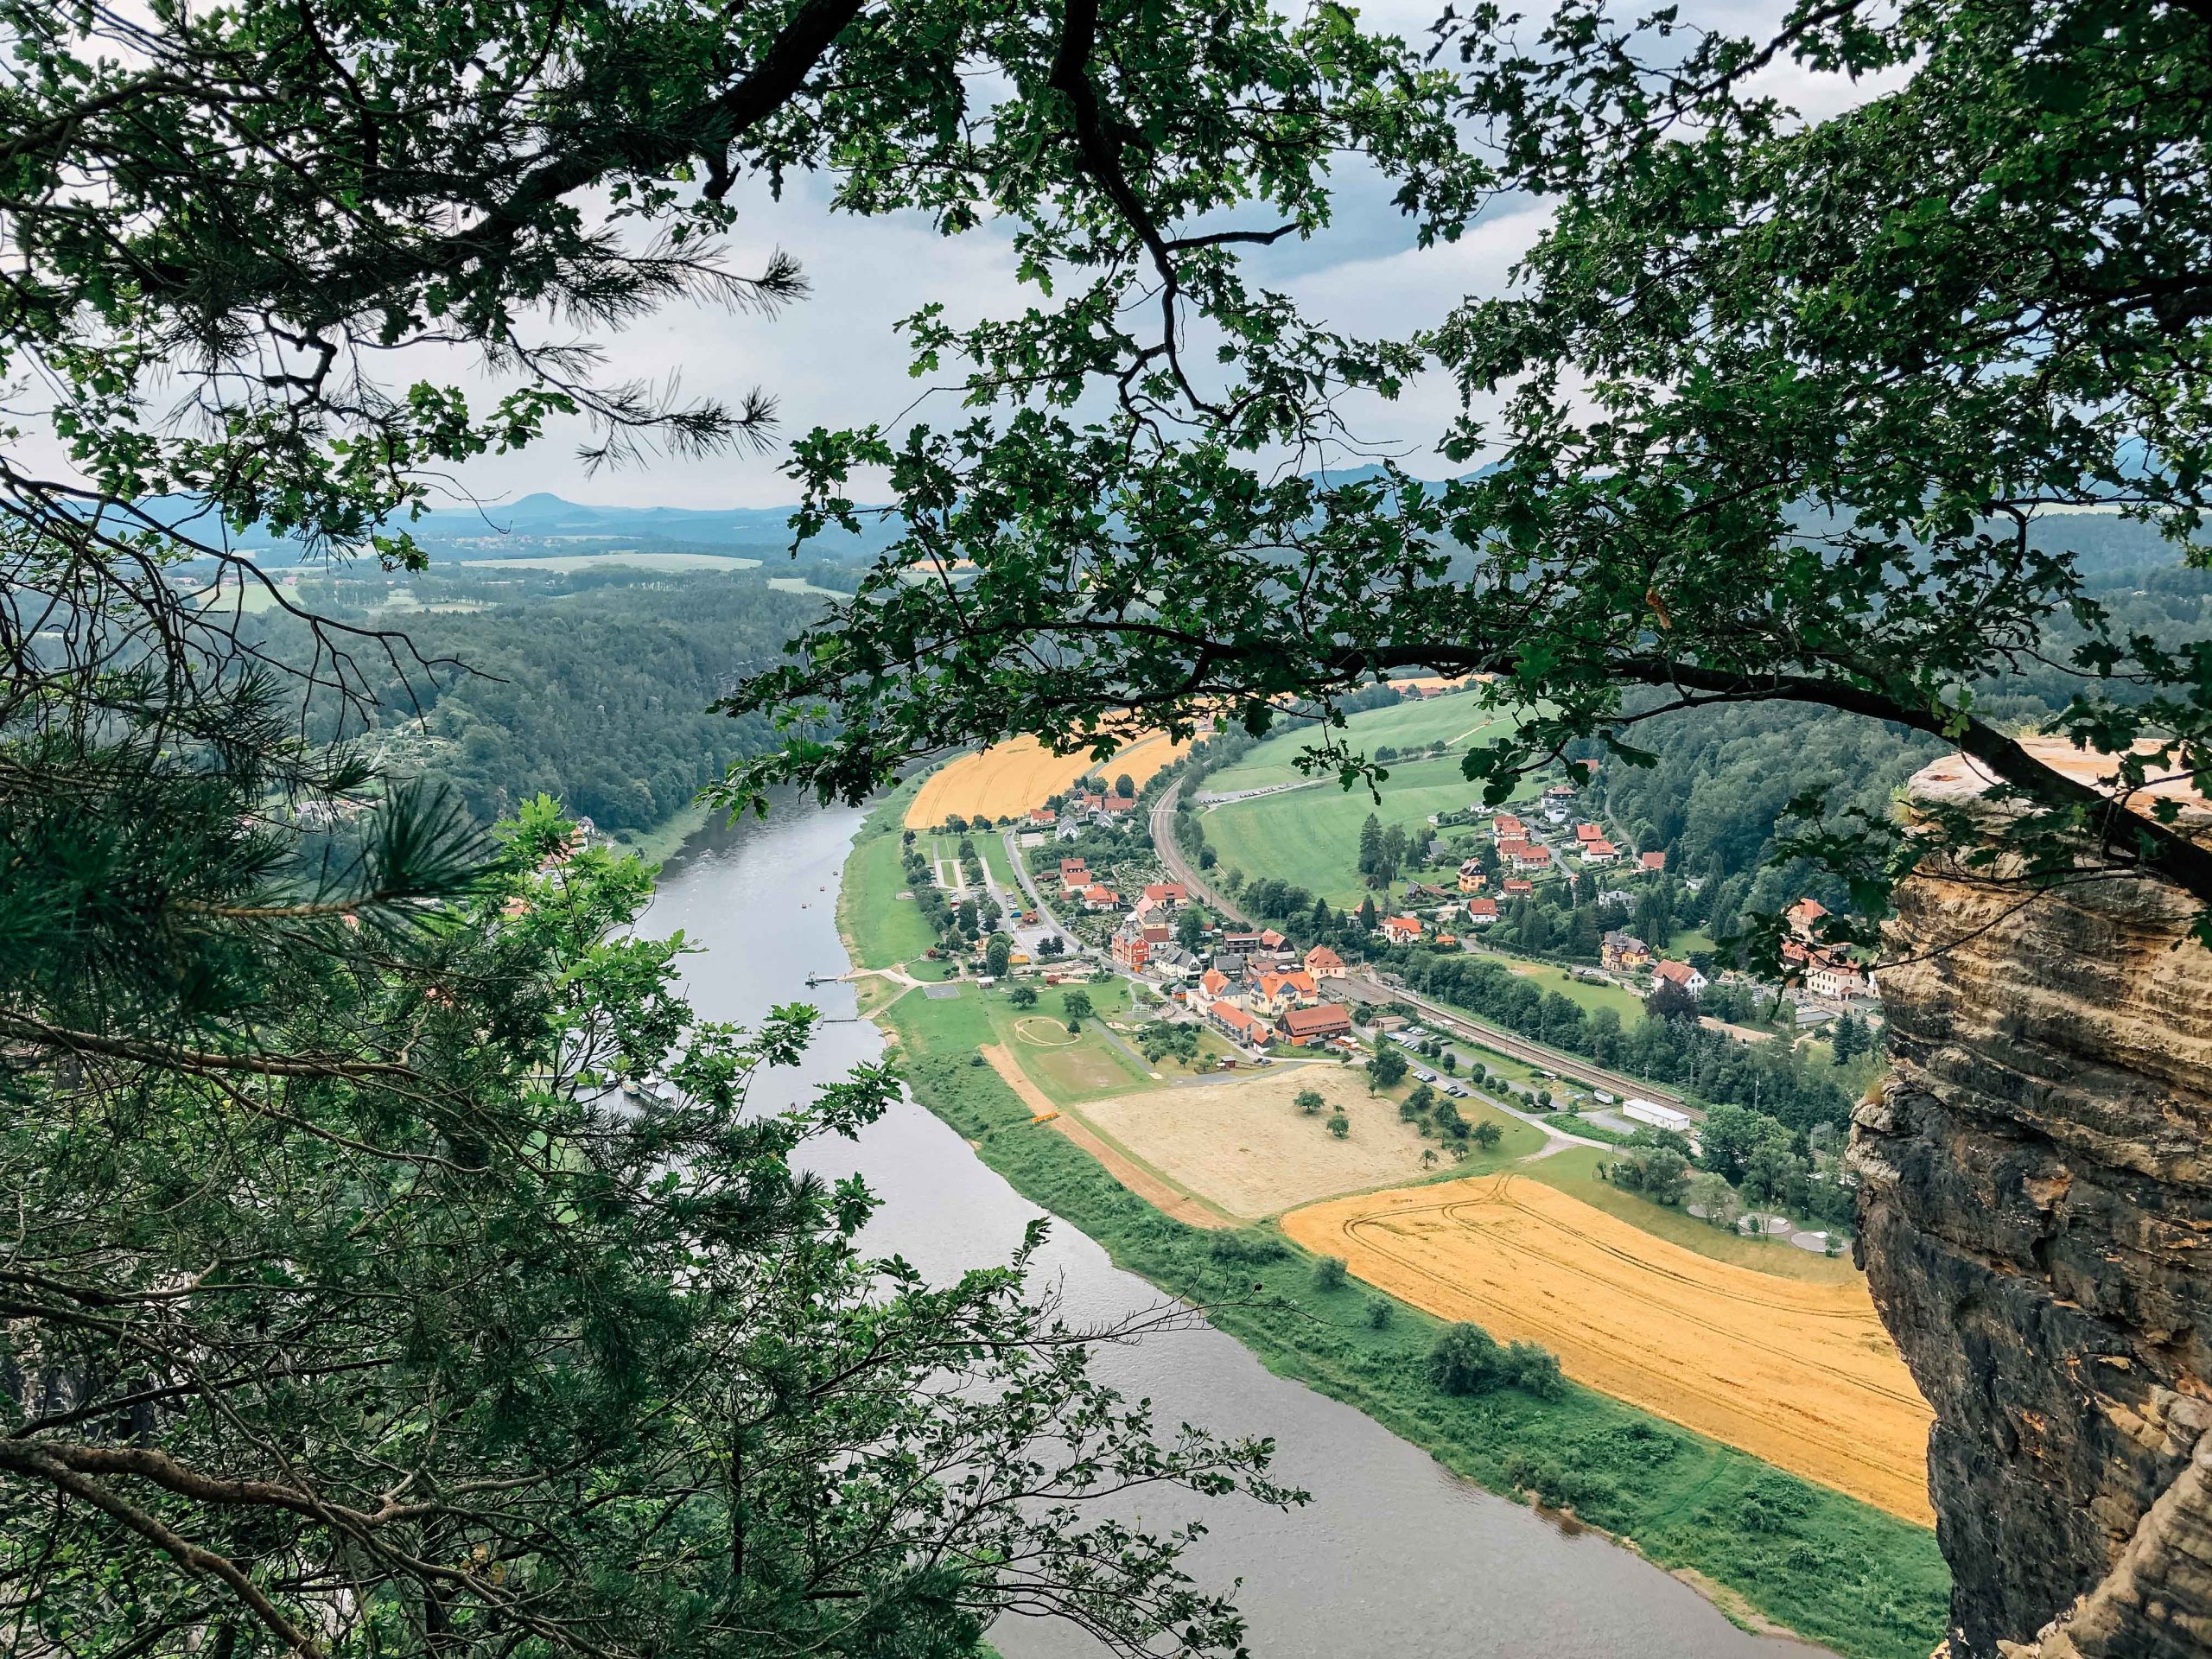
[{"x": 1783, "y": 404}]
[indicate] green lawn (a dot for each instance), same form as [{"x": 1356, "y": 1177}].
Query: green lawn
[
  {"x": 1842, "y": 1573},
  {"x": 880, "y": 928},
  {"x": 1456, "y": 719},
  {"x": 1574, "y": 1172},
  {"x": 1310, "y": 838},
  {"x": 1591, "y": 998},
  {"x": 992, "y": 848},
  {"x": 1070, "y": 1067}
]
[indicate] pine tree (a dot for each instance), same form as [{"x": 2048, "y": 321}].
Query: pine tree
[{"x": 1371, "y": 846}]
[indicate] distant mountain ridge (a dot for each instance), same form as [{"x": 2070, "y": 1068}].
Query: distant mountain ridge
[{"x": 460, "y": 534}]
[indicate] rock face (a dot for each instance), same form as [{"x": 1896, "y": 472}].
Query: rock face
[{"x": 2036, "y": 1226}]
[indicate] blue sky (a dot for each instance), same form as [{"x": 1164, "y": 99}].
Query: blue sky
[{"x": 834, "y": 358}]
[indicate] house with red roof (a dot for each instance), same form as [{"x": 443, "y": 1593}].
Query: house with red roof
[
  {"x": 1506, "y": 827},
  {"x": 1302, "y": 1028},
  {"x": 1167, "y": 894},
  {"x": 1272, "y": 993},
  {"x": 1524, "y": 856},
  {"x": 1237, "y": 1025},
  {"x": 1654, "y": 862},
  {"x": 1321, "y": 961},
  {"x": 1589, "y": 832},
  {"x": 1402, "y": 930},
  {"x": 1595, "y": 855},
  {"x": 1515, "y": 884},
  {"x": 1681, "y": 973},
  {"x": 1134, "y": 942},
  {"x": 1098, "y": 896},
  {"x": 1481, "y": 913},
  {"x": 1804, "y": 915},
  {"x": 1831, "y": 974}
]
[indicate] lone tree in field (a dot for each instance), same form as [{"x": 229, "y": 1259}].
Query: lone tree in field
[{"x": 1309, "y": 1101}]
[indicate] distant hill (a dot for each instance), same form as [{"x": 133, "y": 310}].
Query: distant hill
[{"x": 543, "y": 521}]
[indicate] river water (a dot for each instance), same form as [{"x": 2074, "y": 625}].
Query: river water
[{"x": 1395, "y": 1558}]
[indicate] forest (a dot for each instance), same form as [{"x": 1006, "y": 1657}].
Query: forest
[{"x": 593, "y": 687}]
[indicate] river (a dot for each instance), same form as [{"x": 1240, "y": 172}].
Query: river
[{"x": 1394, "y": 1558}]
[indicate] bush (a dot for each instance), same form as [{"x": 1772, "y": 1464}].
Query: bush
[
  {"x": 1329, "y": 1273},
  {"x": 1533, "y": 1371},
  {"x": 1339, "y": 1125},
  {"x": 1380, "y": 1312},
  {"x": 1467, "y": 1359},
  {"x": 1464, "y": 1360},
  {"x": 1246, "y": 1248}
]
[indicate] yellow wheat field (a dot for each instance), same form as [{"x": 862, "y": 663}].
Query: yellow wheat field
[
  {"x": 1801, "y": 1374},
  {"x": 1011, "y": 777}
]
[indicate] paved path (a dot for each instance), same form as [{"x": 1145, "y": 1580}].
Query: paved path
[
  {"x": 1363, "y": 989},
  {"x": 1163, "y": 842},
  {"x": 1207, "y": 797},
  {"x": 1051, "y": 922}
]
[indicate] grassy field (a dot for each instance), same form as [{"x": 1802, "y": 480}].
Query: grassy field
[
  {"x": 1574, "y": 1172},
  {"x": 880, "y": 928},
  {"x": 1457, "y": 720},
  {"x": 1070, "y": 1067},
  {"x": 664, "y": 840},
  {"x": 1244, "y": 1147},
  {"x": 1799, "y": 1374},
  {"x": 1310, "y": 838},
  {"x": 1591, "y": 997},
  {"x": 992, "y": 848},
  {"x": 1839, "y": 1571}
]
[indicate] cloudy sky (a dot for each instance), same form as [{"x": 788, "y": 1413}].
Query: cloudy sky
[{"x": 833, "y": 360}]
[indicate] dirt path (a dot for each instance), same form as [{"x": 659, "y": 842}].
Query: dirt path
[{"x": 1158, "y": 1193}]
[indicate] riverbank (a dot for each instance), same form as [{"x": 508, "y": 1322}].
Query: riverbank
[
  {"x": 1766, "y": 1544},
  {"x": 666, "y": 839}
]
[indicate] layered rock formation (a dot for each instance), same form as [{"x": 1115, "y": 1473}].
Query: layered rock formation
[{"x": 2036, "y": 1226}]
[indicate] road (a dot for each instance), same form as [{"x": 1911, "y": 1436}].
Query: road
[
  {"x": 1206, "y": 797},
  {"x": 1050, "y": 922},
  {"x": 1513, "y": 1046},
  {"x": 1163, "y": 842}
]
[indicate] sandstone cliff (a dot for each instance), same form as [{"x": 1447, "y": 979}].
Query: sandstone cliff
[{"x": 2036, "y": 1225}]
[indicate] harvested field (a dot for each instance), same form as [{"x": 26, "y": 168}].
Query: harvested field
[
  {"x": 1801, "y": 1374},
  {"x": 1009, "y": 778},
  {"x": 1245, "y": 1146},
  {"x": 1163, "y": 1196}
]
